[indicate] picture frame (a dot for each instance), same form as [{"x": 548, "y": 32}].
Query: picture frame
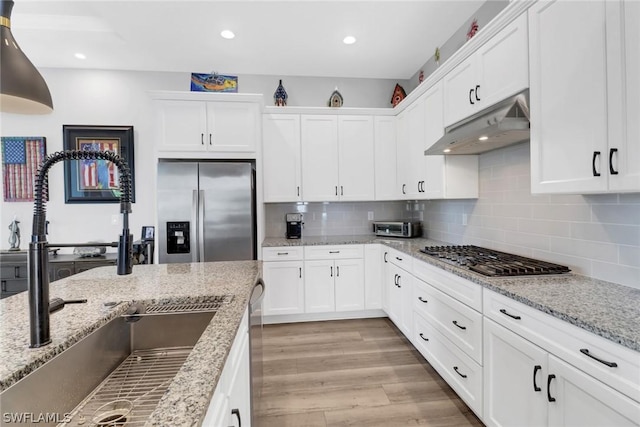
[
  {"x": 21, "y": 158},
  {"x": 96, "y": 181},
  {"x": 148, "y": 232}
]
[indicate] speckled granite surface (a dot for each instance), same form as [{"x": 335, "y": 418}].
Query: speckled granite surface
[
  {"x": 186, "y": 400},
  {"x": 603, "y": 308}
]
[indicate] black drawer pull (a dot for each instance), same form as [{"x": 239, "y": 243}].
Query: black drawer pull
[
  {"x": 593, "y": 163},
  {"x": 549, "y": 398},
  {"x": 476, "y": 91},
  {"x": 455, "y": 322},
  {"x": 385, "y": 257},
  {"x": 202, "y": 138},
  {"x": 470, "y": 99},
  {"x": 4, "y": 285},
  {"x": 298, "y": 187},
  {"x": 334, "y": 252},
  {"x": 503, "y": 311},
  {"x": 16, "y": 272},
  {"x": 399, "y": 259},
  {"x": 423, "y": 300},
  {"x": 300, "y": 274},
  {"x": 422, "y": 336},
  {"x": 331, "y": 271},
  {"x": 236, "y": 412},
  {"x": 535, "y": 371},
  {"x": 403, "y": 187},
  {"x": 585, "y": 351},
  {"x": 612, "y": 171},
  {"x": 398, "y": 281},
  {"x": 337, "y": 271},
  {"x": 455, "y": 368},
  {"x": 283, "y": 253}
]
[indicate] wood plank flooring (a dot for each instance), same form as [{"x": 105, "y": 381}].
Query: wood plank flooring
[{"x": 352, "y": 373}]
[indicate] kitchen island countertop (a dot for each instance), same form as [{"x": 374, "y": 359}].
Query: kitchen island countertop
[
  {"x": 187, "y": 398},
  {"x": 606, "y": 309}
]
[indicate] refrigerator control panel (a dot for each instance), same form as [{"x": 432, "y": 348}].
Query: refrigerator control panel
[{"x": 178, "y": 237}]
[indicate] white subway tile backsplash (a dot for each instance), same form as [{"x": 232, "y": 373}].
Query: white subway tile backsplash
[
  {"x": 619, "y": 234},
  {"x": 527, "y": 240},
  {"x": 629, "y": 255},
  {"x": 546, "y": 227},
  {"x": 607, "y": 252},
  {"x": 617, "y": 273},
  {"x": 616, "y": 214},
  {"x": 562, "y": 212}
]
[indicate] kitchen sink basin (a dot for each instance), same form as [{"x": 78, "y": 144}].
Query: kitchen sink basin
[{"x": 116, "y": 374}]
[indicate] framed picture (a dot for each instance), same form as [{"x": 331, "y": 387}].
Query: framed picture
[
  {"x": 148, "y": 232},
  {"x": 96, "y": 181},
  {"x": 213, "y": 83},
  {"x": 21, "y": 157}
]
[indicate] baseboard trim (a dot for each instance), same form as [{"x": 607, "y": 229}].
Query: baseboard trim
[{"x": 314, "y": 317}]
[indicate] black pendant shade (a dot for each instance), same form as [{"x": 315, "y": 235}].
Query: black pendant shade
[{"x": 22, "y": 88}]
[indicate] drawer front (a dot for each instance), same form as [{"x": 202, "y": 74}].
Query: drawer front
[
  {"x": 14, "y": 271},
  {"x": 334, "y": 252},
  {"x": 461, "y": 372},
  {"x": 400, "y": 259},
  {"x": 461, "y": 324},
  {"x": 282, "y": 253},
  {"x": 14, "y": 285},
  {"x": 460, "y": 289},
  {"x": 569, "y": 343}
]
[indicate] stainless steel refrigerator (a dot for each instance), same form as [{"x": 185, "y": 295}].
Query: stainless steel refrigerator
[{"x": 206, "y": 211}]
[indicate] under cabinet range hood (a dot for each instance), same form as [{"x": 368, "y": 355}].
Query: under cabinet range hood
[{"x": 502, "y": 124}]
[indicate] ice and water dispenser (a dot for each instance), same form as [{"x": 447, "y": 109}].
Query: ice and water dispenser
[{"x": 178, "y": 241}]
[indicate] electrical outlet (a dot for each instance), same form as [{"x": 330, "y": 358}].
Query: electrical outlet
[
  {"x": 464, "y": 219},
  {"x": 115, "y": 219},
  {"x": 370, "y": 216}
]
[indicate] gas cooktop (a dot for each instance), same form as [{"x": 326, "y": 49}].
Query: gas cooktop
[{"x": 492, "y": 263}]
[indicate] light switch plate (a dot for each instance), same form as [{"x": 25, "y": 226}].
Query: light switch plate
[{"x": 370, "y": 216}]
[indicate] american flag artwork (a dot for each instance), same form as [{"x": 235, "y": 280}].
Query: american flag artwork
[
  {"x": 21, "y": 157},
  {"x": 98, "y": 174}
]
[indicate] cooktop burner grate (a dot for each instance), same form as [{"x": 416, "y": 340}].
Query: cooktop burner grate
[{"x": 490, "y": 262}]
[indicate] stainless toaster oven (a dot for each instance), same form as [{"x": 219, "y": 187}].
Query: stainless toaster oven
[{"x": 397, "y": 228}]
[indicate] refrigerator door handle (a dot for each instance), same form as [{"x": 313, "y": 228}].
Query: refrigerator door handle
[
  {"x": 194, "y": 226},
  {"x": 201, "y": 225}
]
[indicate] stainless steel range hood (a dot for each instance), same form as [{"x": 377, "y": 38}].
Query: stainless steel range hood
[{"x": 502, "y": 124}]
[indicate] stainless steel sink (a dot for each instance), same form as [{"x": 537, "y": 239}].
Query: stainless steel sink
[{"x": 117, "y": 373}]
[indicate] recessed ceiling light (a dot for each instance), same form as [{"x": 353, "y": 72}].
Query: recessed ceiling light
[
  {"x": 227, "y": 34},
  {"x": 483, "y": 138},
  {"x": 447, "y": 150},
  {"x": 349, "y": 40},
  {"x": 80, "y": 55}
]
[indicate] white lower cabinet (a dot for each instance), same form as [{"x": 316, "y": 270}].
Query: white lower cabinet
[
  {"x": 282, "y": 272},
  {"x": 231, "y": 401},
  {"x": 373, "y": 277},
  {"x": 399, "y": 284},
  {"x": 334, "y": 285}
]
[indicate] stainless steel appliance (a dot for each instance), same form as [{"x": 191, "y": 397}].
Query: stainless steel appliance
[
  {"x": 255, "y": 347},
  {"x": 294, "y": 225},
  {"x": 206, "y": 211},
  {"x": 492, "y": 263},
  {"x": 397, "y": 228}
]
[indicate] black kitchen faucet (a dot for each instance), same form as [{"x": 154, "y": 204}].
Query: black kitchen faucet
[{"x": 39, "y": 304}]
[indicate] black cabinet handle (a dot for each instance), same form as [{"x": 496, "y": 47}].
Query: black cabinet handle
[
  {"x": 585, "y": 351},
  {"x": 385, "y": 257},
  {"x": 398, "y": 281},
  {"x": 403, "y": 187},
  {"x": 210, "y": 143},
  {"x": 202, "y": 138},
  {"x": 283, "y": 253},
  {"x": 300, "y": 274},
  {"x": 535, "y": 371},
  {"x": 549, "y": 398},
  {"x": 476, "y": 91},
  {"x": 399, "y": 259},
  {"x": 503, "y": 311},
  {"x": 298, "y": 187},
  {"x": 336, "y": 190},
  {"x": 341, "y": 191},
  {"x": 16, "y": 272},
  {"x": 334, "y": 252},
  {"x": 593, "y": 163},
  {"x": 455, "y": 322},
  {"x": 612, "y": 171},
  {"x": 4, "y": 285},
  {"x": 337, "y": 271},
  {"x": 236, "y": 412},
  {"x": 455, "y": 368},
  {"x": 470, "y": 99},
  {"x": 422, "y": 336},
  {"x": 423, "y": 300},
  {"x": 331, "y": 271}
]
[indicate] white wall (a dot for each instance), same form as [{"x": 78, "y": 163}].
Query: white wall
[
  {"x": 91, "y": 97},
  {"x": 595, "y": 235}
]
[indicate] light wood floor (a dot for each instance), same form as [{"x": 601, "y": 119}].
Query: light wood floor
[{"x": 352, "y": 373}]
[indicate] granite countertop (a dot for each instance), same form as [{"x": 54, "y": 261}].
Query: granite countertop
[
  {"x": 188, "y": 396},
  {"x": 603, "y": 308}
]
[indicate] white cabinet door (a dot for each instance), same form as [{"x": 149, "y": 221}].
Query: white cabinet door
[
  {"x": 385, "y": 158},
  {"x": 319, "y": 289},
  {"x": 372, "y": 276},
  {"x": 240, "y": 388},
  {"x": 514, "y": 379},
  {"x": 403, "y": 157},
  {"x": 394, "y": 294},
  {"x": 625, "y": 159},
  {"x": 319, "y": 138},
  {"x": 459, "y": 86},
  {"x": 385, "y": 281},
  {"x": 568, "y": 76},
  {"x": 356, "y": 157},
  {"x": 416, "y": 132},
  {"x": 578, "y": 400},
  {"x": 232, "y": 126},
  {"x": 182, "y": 126},
  {"x": 284, "y": 292},
  {"x": 405, "y": 281},
  {"x": 349, "y": 285},
  {"x": 281, "y": 157}
]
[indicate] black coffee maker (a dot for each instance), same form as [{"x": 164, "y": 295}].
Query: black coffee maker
[{"x": 294, "y": 225}]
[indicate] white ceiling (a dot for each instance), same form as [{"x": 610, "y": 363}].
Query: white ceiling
[{"x": 294, "y": 38}]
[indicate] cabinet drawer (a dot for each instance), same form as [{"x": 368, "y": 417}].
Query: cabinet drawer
[
  {"x": 14, "y": 271},
  {"x": 568, "y": 342},
  {"x": 400, "y": 259},
  {"x": 459, "y": 323},
  {"x": 461, "y": 372},
  {"x": 282, "y": 253},
  {"x": 460, "y": 289},
  {"x": 14, "y": 285},
  {"x": 334, "y": 252}
]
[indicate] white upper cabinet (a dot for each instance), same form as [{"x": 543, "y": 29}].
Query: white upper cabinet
[
  {"x": 584, "y": 97},
  {"x": 281, "y": 158},
  {"x": 497, "y": 70},
  {"x": 192, "y": 123},
  {"x": 337, "y": 158},
  {"x": 385, "y": 133}
]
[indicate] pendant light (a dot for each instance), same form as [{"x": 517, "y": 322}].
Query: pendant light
[{"x": 22, "y": 88}]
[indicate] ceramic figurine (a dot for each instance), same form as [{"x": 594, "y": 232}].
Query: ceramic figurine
[
  {"x": 14, "y": 236},
  {"x": 280, "y": 96},
  {"x": 336, "y": 99},
  {"x": 421, "y": 76},
  {"x": 436, "y": 56},
  {"x": 398, "y": 95}
]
